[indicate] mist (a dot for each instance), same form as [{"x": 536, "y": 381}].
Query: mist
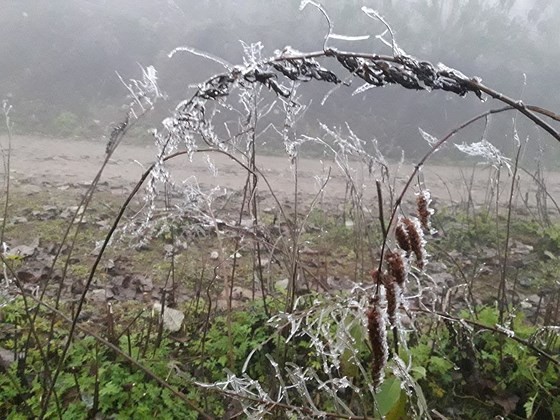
[{"x": 61, "y": 62}]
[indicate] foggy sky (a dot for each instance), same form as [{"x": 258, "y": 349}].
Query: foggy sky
[{"x": 61, "y": 58}]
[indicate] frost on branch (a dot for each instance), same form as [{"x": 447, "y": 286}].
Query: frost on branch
[
  {"x": 432, "y": 141},
  {"x": 331, "y": 335},
  {"x": 487, "y": 151},
  {"x": 143, "y": 94}
]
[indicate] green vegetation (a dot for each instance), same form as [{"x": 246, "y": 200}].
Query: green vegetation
[
  {"x": 475, "y": 373},
  {"x": 93, "y": 377},
  {"x": 66, "y": 124},
  {"x": 462, "y": 369}
]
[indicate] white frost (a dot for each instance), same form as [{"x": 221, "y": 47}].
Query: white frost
[{"x": 487, "y": 151}]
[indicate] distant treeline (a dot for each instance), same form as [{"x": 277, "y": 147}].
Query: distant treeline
[{"x": 60, "y": 59}]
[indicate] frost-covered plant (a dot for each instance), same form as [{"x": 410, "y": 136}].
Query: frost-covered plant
[
  {"x": 487, "y": 151},
  {"x": 334, "y": 334},
  {"x": 346, "y": 337}
]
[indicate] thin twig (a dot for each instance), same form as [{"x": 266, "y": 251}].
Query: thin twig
[
  {"x": 7, "y": 158},
  {"x": 422, "y": 161},
  {"x": 380, "y": 208}
]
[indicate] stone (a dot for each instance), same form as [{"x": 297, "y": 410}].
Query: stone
[
  {"x": 534, "y": 299},
  {"x": 526, "y": 305},
  {"x": 97, "y": 295},
  {"x": 525, "y": 282},
  {"x": 308, "y": 251},
  {"x": 443, "y": 278},
  {"x": 22, "y": 251},
  {"x": 522, "y": 249},
  {"x": 488, "y": 253},
  {"x": 239, "y": 293},
  {"x": 246, "y": 223},
  {"x": 7, "y": 358},
  {"x": 172, "y": 318},
  {"x": 222, "y": 304},
  {"x": 265, "y": 262},
  {"x": 437, "y": 267},
  {"x": 485, "y": 270},
  {"x": 145, "y": 284},
  {"x": 26, "y": 276},
  {"x": 69, "y": 212},
  {"x": 340, "y": 283}
]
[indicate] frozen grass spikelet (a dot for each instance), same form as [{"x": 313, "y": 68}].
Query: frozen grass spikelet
[
  {"x": 396, "y": 266},
  {"x": 423, "y": 200},
  {"x": 417, "y": 242},
  {"x": 378, "y": 339}
]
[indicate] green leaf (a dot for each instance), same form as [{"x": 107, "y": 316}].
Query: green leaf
[
  {"x": 528, "y": 406},
  {"x": 398, "y": 411},
  {"x": 388, "y": 396},
  {"x": 418, "y": 372},
  {"x": 440, "y": 365}
]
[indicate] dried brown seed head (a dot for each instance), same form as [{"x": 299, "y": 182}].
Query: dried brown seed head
[
  {"x": 396, "y": 266},
  {"x": 377, "y": 277},
  {"x": 393, "y": 293},
  {"x": 377, "y": 334},
  {"x": 417, "y": 242},
  {"x": 423, "y": 209},
  {"x": 402, "y": 238}
]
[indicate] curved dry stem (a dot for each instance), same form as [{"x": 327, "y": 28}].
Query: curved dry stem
[
  {"x": 528, "y": 110},
  {"x": 304, "y": 3},
  {"x": 521, "y": 107},
  {"x": 112, "y": 230},
  {"x": 422, "y": 161},
  {"x": 502, "y": 298},
  {"x": 84, "y": 204}
]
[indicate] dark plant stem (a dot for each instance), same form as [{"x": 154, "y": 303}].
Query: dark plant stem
[
  {"x": 254, "y": 210},
  {"x": 380, "y": 209},
  {"x": 422, "y": 161},
  {"x": 7, "y": 171},
  {"x": 295, "y": 246},
  {"x": 95, "y": 405},
  {"x": 502, "y": 296},
  {"x": 128, "y": 358}
]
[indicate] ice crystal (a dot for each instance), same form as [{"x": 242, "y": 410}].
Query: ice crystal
[
  {"x": 432, "y": 141},
  {"x": 487, "y": 151},
  {"x": 510, "y": 333}
]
